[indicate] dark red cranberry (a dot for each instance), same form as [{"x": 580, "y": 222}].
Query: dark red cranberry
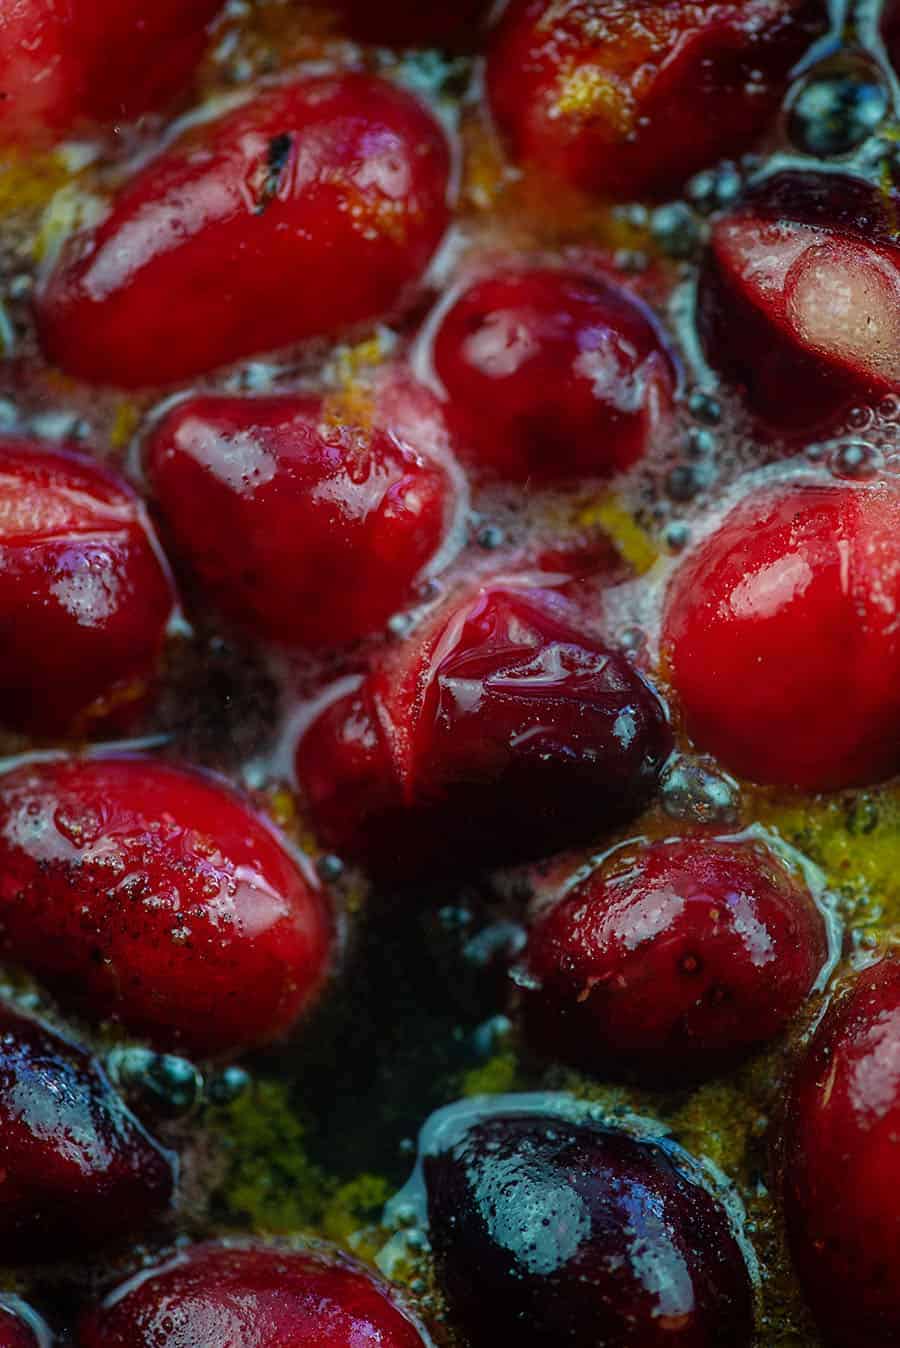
[
  {"x": 552, "y": 374},
  {"x": 315, "y": 206},
  {"x": 799, "y": 301},
  {"x": 84, "y": 600},
  {"x": 782, "y": 639},
  {"x": 624, "y": 97},
  {"x": 501, "y": 730},
  {"x": 78, "y": 1169},
  {"x": 409, "y": 23},
  {"x": 156, "y": 897},
  {"x": 20, "y": 1327},
  {"x": 258, "y": 1296},
  {"x": 842, "y": 1168},
  {"x": 673, "y": 961},
  {"x": 551, "y": 1232},
  {"x": 303, "y": 529}
]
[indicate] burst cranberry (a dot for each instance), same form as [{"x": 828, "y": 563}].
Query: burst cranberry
[
  {"x": 78, "y": 1168},
  {"x": 501, "y": 730},
  {"x": 20, "y": 1327},
  {"x": 155, "y": 896},
  {"x": 842, "y": 1170},
  {"x": 799, "y": 300},
  {"x": 673, "y": 962},
  {"x": 303, "y": 530},
  {"x": 547, "y": 1232},
  {"x": 624, "y": 97},
  {"x": 315, "y": 206},
  {"x": 409, "y": 23},
  {"x": 552, "y": 374},
  {"x": 220, "y": 1295},
  {"x": 84, "y": 601}
]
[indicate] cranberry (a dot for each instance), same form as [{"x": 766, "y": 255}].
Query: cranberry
[
  {"x": 17, "y": 1331},
  {"x": 552, "y": 374},
  {"x": 547, "y": 1231},
  {"x": 64, "y": 67},
  {"x": 155, "y": 896},
  {"x": 500, "y": 731},
  {"x": 782, "y": 638},
  {"x": 673, "y": 961},
  {"x": 625, "y": 97},
  {"x": 84, "y": 600},
  {"x": 799, "y": 301},
  {"x": 258, "y": 1296},
  {"x": 303, "y": 529},
  {"x": 315, "y": 206},
  {"x": 409, "y": 23},
  {"x": 842, "y": 1172},
  {"x": 78, "y": 1169}
]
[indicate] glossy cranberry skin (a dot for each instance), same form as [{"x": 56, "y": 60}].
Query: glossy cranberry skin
[
  {"x": 220, "y": 1295},
  {"x": 333, "y": 189},
  {"x": 629, "y": 97},
  {"x": 155, "y": 896},
  {"x": 799, "y": 299},
  {"x": 302, "y": 530},
  {"x": 552, "y": 374},
  {"x": 782, "y": 639},
  {"x": 79, "y": 1170},
  {"x": 672, "y": 962},
  {"x": 501, "y": 730},
  {"x": 84, "y": 599},
  {"x": 841, "y": 1169},
  {"x": 547, "y": 1232}
]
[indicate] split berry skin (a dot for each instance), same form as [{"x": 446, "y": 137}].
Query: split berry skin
[
  {"x": 799, "y": 299},
  {"x": 256, "y": 1295},
  {"x": 155, "y": 896},
  {"x": 302, "y": 530},
  {"x": 79, "y": 1170},
  {"x": 547, "y": 1232},
  {"x": 782, "y": 641},
  {"x": 552, "y": 374},
  {"x": 672, "y": 962},
  {"x": 501, "y": 731},
  {"x": 314, "y": 207},
  {"x": 841, "y": 1169},
  {"x": 631, "y": 97},
  {"x": 84, "y": 598}
]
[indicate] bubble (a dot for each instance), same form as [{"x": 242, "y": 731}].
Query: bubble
[
  {"x": 165, "y": 1085},
  {"x": 676, "y": 229},
  {"x": 705, "y": 407},
  {"x": 855, "y": 460},
  {"x": 692, "y": 792},
  {"x": 835, "y": 112}
]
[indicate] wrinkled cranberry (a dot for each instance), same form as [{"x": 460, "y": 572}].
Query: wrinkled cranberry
[
  {"x": 782, "y": 638},
  {"x": 501, "y": 730},
  {"x": 842, "y": 1170},
  {"x": 409, "y": 23},
  {"x": 258, "y": 1296},
  {"x": 18, "y": 1332},
  {"x": 64, "y": 67},
  {"x": 78, "y": 1168},
  {"x": 84, "y": 600},
  {"x": 625, "y": 97},
  {"x": 552, "y": 374},
  {"x": 550, "y": 1232},
  {"x": 673, "y": 961},
  {"x": 315, "y": 206},
  {"x": 304, "y": 530},
  {"x": 799, "y": 300},
  {"x": 155, "y": 896}
]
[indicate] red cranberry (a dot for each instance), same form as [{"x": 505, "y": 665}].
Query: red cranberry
[
  {"x": 155, "y": 896},
  {"x": 64, "y": 67},
  {"x": 302, "y": 529},
  {"x": 624, "y": 97},
  {"x": 782, "y": 638},
  {"x": 78, "y": 1169},
  {"x": 258, "y": 1296},
  {"x": 20, "y": 1327},
  {"x": 547, "y": 1232},
  {"x": 315, "y": 206},
  {"x": 84, "y": 600},
  {"x": 409, "y": 23},
  {"x": 842, "y": 1170},
  {"x": 799, "y": 301},
  {"x": 500, "y": 731},
  {"x": 674, "y": 961},
  {"x": 552, "y": 374}
]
